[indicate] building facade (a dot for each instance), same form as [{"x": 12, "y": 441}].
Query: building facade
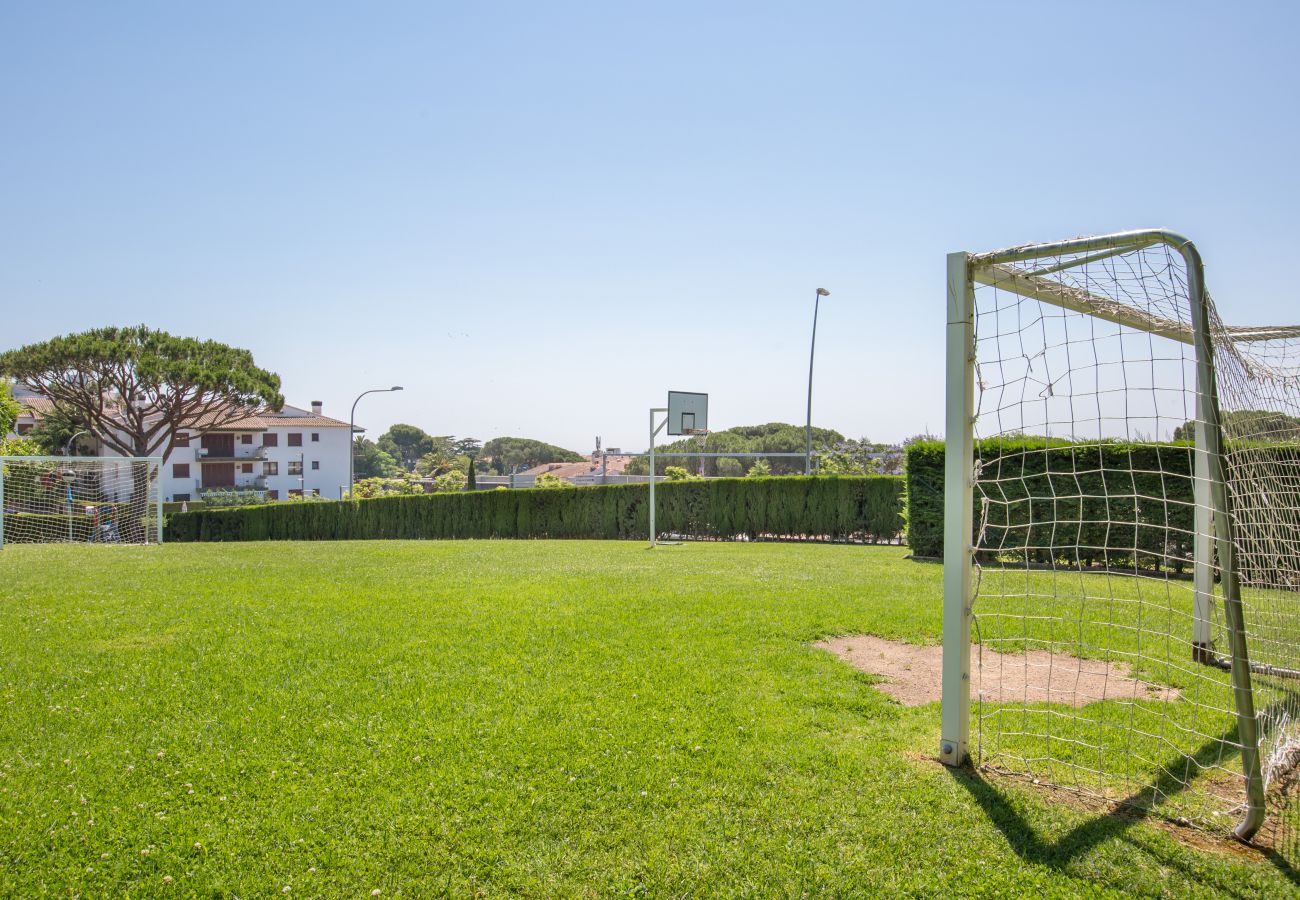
[{"x": 291, "y": 452}]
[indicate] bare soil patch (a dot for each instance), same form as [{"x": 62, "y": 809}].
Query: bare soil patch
[{"x": 913, "y": 673}]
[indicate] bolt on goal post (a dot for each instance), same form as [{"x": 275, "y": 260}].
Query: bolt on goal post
[
  {"x": 73, "y": 499},
  {"x": 1125, "y": 435}
]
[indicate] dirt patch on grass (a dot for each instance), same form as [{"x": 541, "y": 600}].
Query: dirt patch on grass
[{"x": 913, "y": 673}]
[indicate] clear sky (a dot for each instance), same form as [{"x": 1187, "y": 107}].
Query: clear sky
[{"x": 539, "y": 217}]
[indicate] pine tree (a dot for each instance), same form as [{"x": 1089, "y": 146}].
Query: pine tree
[{"x": 471, "y": 484}]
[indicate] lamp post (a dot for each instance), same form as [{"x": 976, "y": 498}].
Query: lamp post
[
  {"x": 812, "y": 350},
  {"x": 352, "y": 418},
  {"x": 67, "y": 448}
]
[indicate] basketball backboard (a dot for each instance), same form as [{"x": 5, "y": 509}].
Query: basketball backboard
[{"x": 688, "y": 413}]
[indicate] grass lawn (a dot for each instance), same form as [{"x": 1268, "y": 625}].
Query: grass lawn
[{"x": 495, "y": 718}]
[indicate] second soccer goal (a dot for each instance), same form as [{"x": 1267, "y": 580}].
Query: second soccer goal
[{"x": 1122, "y": 532}]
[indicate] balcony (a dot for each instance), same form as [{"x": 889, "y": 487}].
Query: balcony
[
  {"x": 239, "y": 454},
  {"x": 242, "y": 483},
  {"x": 231, "y": 496}
]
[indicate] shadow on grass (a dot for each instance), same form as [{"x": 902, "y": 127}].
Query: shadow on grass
[{"x": 1060, "y": 854}]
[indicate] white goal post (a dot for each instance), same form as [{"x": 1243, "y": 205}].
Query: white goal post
[
  {"x": 79, "y": 499},
  {"x": 1122, "y": 498}
]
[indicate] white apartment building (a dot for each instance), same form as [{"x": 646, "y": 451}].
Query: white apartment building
[{"x": 293, "y": 451}]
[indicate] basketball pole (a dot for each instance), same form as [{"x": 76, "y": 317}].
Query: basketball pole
[{"x": 654, "y": 431}]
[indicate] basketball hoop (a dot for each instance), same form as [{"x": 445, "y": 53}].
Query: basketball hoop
[{"x": 688, "y": 412}]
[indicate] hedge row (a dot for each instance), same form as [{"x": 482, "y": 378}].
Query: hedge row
[
  {"x": 36, "y": 528},
  {"x": 818, "y": 508},
  {"x": 1042, "y": 501},
  {"x": 40, "y": 528}
]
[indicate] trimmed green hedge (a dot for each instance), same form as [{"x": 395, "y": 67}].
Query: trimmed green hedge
[
  {"x": 1117, "y": 504},
  {"x": 37, "y": 528},
  {"x": 817, "y": 508},
  {"x": 40, "y": 528},
  {"x": 923, "y": 497}
]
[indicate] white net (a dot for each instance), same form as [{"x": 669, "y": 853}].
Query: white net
[
  {"x": 88, "y": 500},
  {"x": 1259, "y": 392},
  {"x": 1091, "y": 667}
]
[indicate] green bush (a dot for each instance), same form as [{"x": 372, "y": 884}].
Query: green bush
[
  {"x": 1110, "y": 503},
  {"x": 34, "y": 528},
  {"x": 232, "y": 497},
  {"x": 923, "y": 498},
  {"x": 820, "y": 508},
  {"x": 38, "y": 528}
]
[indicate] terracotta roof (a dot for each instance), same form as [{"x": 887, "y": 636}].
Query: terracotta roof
[
  {"x": 616, "y": 463},
  {"x": 272, "y": 420},
  {"x": 34, "y": 406},
  {"x": 615, "y": 466},
  {"x": 289, "y": 417},
  {"x": 562, "y": 470}
]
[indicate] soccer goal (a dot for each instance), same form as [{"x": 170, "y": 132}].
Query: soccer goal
[
  {"x": 1122, "y": 533},
  {"x": 87, "y": 500}
]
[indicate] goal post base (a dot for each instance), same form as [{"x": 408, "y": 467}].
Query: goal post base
[{"x": 953, "y": 753}]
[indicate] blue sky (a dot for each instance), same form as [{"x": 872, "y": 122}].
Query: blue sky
[{"x": 541, "y": 217}]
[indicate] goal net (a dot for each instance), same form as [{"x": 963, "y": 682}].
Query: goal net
[
  {"x": 87, "y": 500},
  {"x": 1122, "y": 533}
]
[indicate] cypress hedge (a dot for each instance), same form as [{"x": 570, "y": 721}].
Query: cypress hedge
[
  {"x": 41, "y": 528},
  {"x": 1108, "y": 503},
  {"x": 36, "y": 528},
  {"x": 792, "y": 507}
]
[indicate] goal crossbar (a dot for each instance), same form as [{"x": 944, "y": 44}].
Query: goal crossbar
[{"x": 1034, "y": 286}]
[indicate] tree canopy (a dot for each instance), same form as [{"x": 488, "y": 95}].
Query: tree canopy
[
  {"x": 441, "y": 459},
  {"x": 772, "y": 437},
  {"x": 860, "y": 457},
  {"x": 510, "y": 453},
  {"x": 54, "y": 431},
  {"x": 1249, "y": 424},
  {"x": 470, "y": 447},
  {"x": 428, "y": 455},
  {"x": 406, "y": 444},
  {"x": 371, "y": 462},
  {"x": 10, "y": 409},
  {"x": 136, "y": 387}
]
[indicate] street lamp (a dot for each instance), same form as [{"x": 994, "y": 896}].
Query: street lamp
[
  {"x": 807, "y": 459},
  {"x": 352, "y": 417},
  {"x": 67, "y": 448}
]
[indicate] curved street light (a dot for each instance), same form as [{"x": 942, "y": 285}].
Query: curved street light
[
  {"x": 67, "y": 448},
  {"x": 807, "y": 459},
  {"x": 352, "y": 428}
]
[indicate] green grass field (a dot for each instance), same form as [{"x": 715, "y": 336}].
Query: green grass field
[{"x": 501, "y": 718}]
